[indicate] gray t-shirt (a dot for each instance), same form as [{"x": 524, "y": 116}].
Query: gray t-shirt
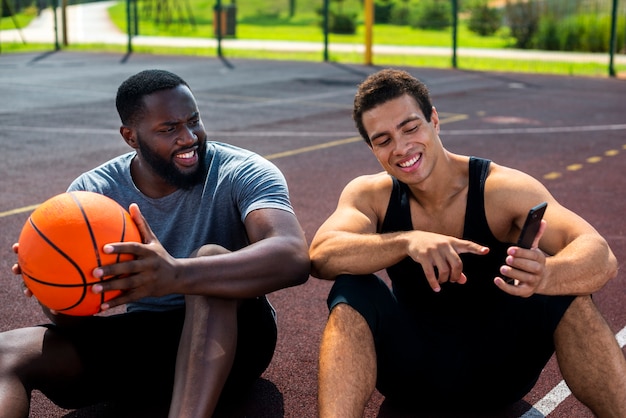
[{"x": 238, "y": 182}]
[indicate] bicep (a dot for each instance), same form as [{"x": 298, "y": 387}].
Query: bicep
[
  {"x": 563, "y": 227},
  {"x": 509, "y": 196}
]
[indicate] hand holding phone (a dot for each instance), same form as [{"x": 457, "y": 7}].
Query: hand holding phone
[
  {"x": 531, "y": 225},
  {"x": 530, "y": 229}
]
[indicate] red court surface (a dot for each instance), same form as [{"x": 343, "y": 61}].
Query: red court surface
[{"x": 57, "y": 119}]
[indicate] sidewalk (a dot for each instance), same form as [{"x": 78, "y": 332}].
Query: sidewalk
[{"x": 90, "y": 23}]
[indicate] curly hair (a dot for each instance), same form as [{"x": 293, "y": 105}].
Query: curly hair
[
  {"x": 130, "y": 94},
  {"x": 386, "y": 85}
]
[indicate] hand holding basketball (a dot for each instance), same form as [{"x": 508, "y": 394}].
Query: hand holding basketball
[{"x": 61, "y": 244}]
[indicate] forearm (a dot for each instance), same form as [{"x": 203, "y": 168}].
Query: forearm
[
  {"x": 353, "y": 253},
  {"x": 260, "y": 268},
  {"x": 584, "y": 266}
]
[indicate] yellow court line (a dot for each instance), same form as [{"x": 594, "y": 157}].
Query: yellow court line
[
  {"x": 313, "y": 148},
  {"x": 19, "y": 210}
]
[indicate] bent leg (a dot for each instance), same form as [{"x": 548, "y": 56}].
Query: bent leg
[
  {"x": 347, "y": 364},
  {"x": 205, "y": 356},
  {"x": 206, "y": 351},
  {"x": 591, "y": 361},
  {"x": 32, "y": 358}
]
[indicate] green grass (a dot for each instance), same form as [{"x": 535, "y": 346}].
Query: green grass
[{"x": 269, "y": 20}]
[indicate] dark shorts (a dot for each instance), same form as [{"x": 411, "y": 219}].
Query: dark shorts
[
  {"x": 131, "y": 356},
  {"x": 486, "y": 363}
]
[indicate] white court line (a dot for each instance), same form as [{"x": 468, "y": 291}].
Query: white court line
[{"x": 551, "y": 401}]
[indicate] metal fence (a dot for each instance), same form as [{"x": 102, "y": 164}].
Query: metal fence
[{"x": 226, "y": 15}]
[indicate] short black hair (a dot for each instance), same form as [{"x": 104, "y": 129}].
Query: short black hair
[
  {"x": 130, "y": 94},
  {"x": 386, "y": 85}
]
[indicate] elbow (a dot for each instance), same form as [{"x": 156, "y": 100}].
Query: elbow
[
  {"x": 323, "y": 261},
  {"x": 316, "y": 263},
  {"x": 300, "y": 267},
  {"x": 320, "y": 268},
  {"x": 612, "y": 266}
]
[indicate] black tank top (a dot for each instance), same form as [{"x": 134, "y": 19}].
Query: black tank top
[{"x": 479, "y": 294}]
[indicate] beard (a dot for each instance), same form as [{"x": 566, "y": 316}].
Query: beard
[{"x": 167, "y": 170}]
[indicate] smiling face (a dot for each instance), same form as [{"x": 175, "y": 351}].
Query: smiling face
[
  {"x": 403, "y": 141},
  {"x": 170, "y": 141}
]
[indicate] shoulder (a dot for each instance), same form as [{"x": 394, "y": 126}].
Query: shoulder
[
  {"x": 225, "y": 152},
  {"x": 240, "y": 160},
  {"x": 371, "y": 184},
  {"x": 509, "y": 193},
  {"x": 110, "y": 172},
  {"x": 368, "y": 193},
  {"x": 504, "y": 181}
]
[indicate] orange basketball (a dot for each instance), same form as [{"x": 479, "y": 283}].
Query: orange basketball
[{"x": 61, "y": 244}]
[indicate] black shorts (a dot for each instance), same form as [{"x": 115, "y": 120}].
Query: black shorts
[
  {"x": 132, "y": 356},
  {"x": 486, "y": 363}
]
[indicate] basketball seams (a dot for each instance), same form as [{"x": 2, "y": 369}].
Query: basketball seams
[
  {"x": 61, "y": 252},
  {"x": 118, "y": 258},
  {"x": 94, "y": 243},
  {"x": 69, "y": 259}
]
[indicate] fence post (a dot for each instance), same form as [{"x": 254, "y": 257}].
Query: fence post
[
  {"x": 129, "y": 26},
  {"x": 455, "y": 23},
  {"x": 613, "y": 41},
  {"x": 326, "y": 30}
]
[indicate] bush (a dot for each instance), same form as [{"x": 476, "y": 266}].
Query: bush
[
  {"x": 547, "y": 35},
  {"x": 597, "y": 33},
  {"x": 570, "y": 34},
  {"x": 342, "y": 23},
  {"x": 523, "y": 20},
  {"x": 401, "y": 14},
  {"x": 433, "y": 14},
  {"x": 484, "y": 20},
  {"x": 582, "y": 33},
  {"x": 383, "y": 10}
]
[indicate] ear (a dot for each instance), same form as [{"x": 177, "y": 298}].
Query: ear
[
  {"x": 129, "y": 136},
  {"x": 434, "y": 119}
]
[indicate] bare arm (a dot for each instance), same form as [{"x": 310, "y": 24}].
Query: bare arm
[
  {"x": 570, "y": 258},
  {"x": 276, "y": 258},
  {"x": 348, "y": 242}
]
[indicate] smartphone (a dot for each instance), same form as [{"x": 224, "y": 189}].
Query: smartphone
[{"x": 531, "y": 225}]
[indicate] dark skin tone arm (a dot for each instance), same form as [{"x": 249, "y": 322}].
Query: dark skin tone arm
[{"x": 250, "y": 272}]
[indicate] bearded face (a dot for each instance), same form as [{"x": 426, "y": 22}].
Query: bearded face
[{"x": 166, "y": 167}]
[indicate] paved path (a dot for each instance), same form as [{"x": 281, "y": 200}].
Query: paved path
[{"x": 90, "y": 23}]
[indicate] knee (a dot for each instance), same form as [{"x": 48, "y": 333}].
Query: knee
[
  {"x": 208, "y": 250},
  {"x": 201, "y": 303},
  {"x": 583, "y": 309},
  {"x": 581, "y": 318}
]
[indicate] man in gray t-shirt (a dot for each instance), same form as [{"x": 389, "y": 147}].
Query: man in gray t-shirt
[{"x": 198, "y": 328}]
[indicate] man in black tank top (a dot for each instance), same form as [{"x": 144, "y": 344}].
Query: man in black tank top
[{"x": 469, "y": 319}]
